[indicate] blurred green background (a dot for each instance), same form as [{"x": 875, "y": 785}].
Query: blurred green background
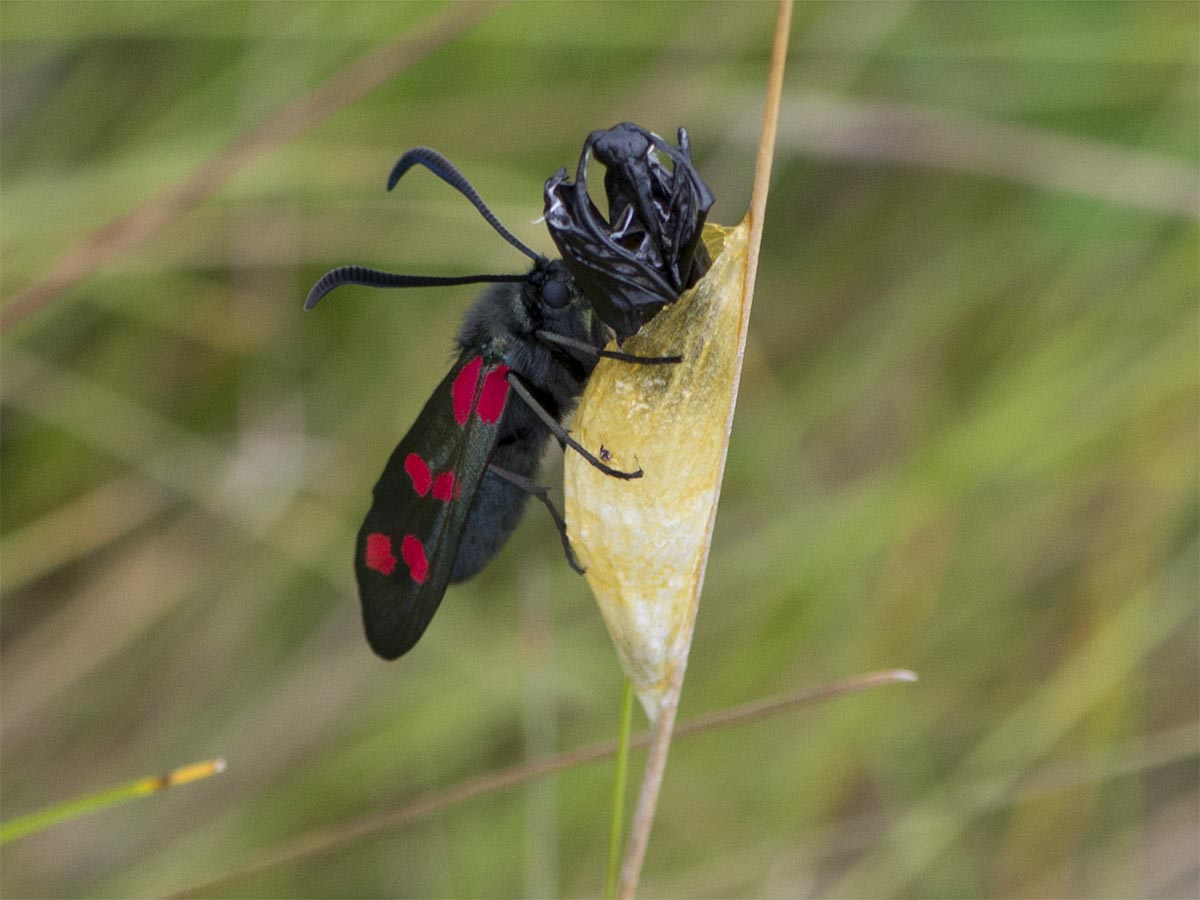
[{"x": 966, "y": 443}]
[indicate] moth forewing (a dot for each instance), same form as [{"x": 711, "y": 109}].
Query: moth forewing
[{"x": 409, "y": 541}]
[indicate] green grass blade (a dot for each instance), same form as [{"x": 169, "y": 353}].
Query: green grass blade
[
  {"x": 90, "y": 803},
  {"x": 618, "y": 802}
]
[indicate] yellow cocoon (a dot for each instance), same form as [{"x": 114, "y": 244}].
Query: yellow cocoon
[{"x": 645, "y": 542}]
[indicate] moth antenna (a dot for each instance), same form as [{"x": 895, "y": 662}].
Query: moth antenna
[
  {"x": 446, "y": 170},
  {"x": 367, "y": 277}
]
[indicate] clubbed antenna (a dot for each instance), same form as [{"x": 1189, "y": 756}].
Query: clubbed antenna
[
  {"x": 367, "y": 277},
  {"x": 446, "y": 170}
]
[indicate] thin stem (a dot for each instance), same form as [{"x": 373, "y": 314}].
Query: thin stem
[
  {"x": 89, "y": 803},
  {"x": 618, "y": 803},
  {"x": 652, "y": 776},
  {"x": 656, "y": 760}
]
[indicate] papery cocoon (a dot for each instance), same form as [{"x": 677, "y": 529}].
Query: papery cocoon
[{"x": 645, "y": 542}]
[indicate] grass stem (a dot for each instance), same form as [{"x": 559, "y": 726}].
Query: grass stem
[
  {"x": 89, "y": 803},
  {"x": 620, "y": 778}
]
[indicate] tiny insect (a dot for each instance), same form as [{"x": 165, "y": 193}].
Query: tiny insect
[{"x": 456, "y": 485}]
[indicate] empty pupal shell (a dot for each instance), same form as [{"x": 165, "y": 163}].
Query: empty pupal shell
[{"x": 645, "y": 542}]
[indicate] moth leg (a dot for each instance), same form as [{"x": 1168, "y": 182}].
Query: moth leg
[
  {"x": 549, "y": 337},
  {"x": 561, "y": 433},
  {"x": 539, "y": 492}
]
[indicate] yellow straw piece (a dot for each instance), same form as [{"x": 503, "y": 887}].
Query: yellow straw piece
[{"x": 194, "y": 772}]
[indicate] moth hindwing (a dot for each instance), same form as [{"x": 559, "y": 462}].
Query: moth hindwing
[{"x": 409, "y": 541}]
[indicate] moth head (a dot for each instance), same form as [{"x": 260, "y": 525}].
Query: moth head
[{"x": 551, "y": 286}]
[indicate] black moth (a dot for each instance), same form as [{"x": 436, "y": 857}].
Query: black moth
[{"x": 455, "y": 487}]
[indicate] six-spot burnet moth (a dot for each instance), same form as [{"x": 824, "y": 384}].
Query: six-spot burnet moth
[{"x": 456, "y": 485}]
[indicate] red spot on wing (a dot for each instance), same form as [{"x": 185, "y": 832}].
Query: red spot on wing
[
  {"x": 379, "y": 553},
  {"x": 462, "y": 391},
  {"x": 443, "y": 486},
  {"x": 491, "y": 398},
  {"x": 418, "y": 471},
  {"x": 413, "y": 552}
]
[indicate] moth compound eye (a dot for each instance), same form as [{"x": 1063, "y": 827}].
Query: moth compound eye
[{"x": 555, "y": 293}]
